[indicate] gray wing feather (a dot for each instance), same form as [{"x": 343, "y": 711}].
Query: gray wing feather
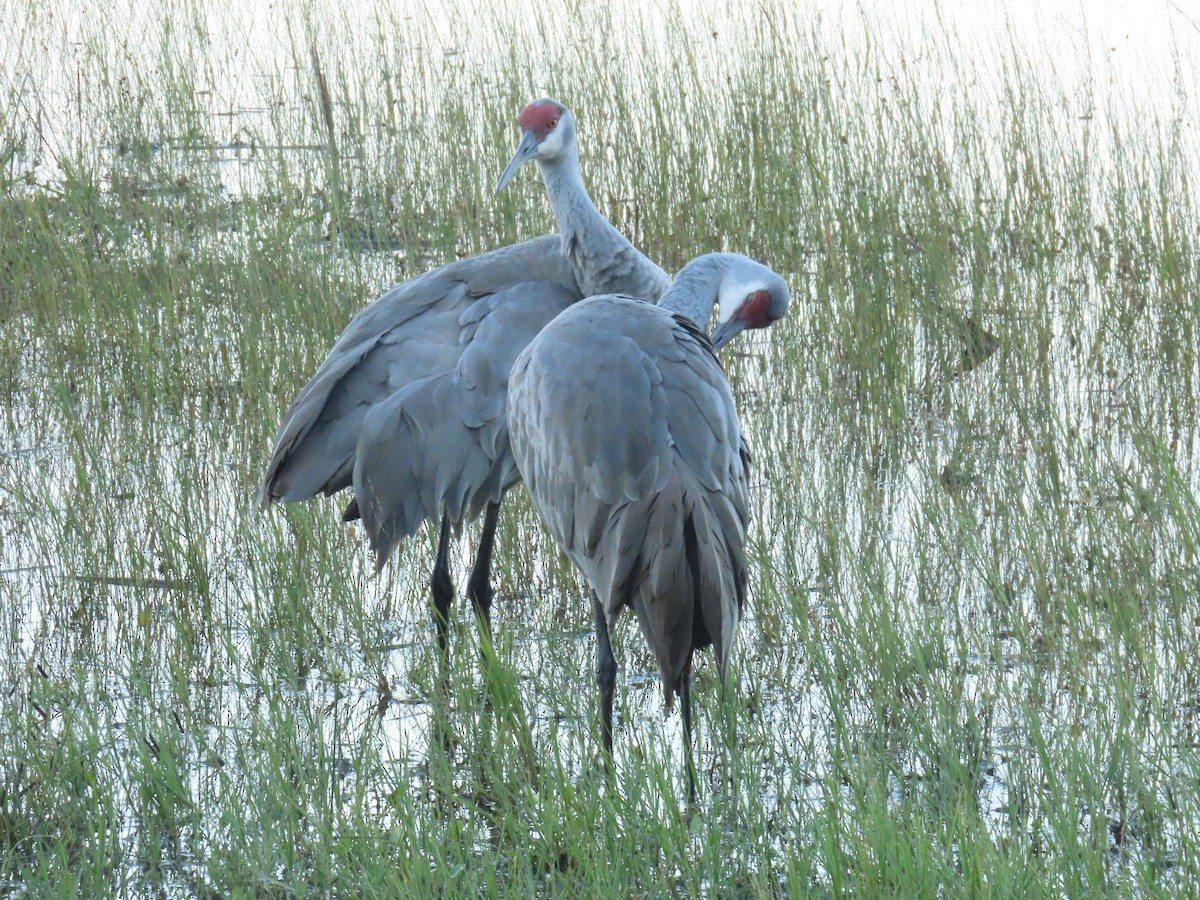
[
  {"x": 440, "y": 445},
  {"x": 415, "y": 330},
  {"x": 624, "y": 429},
  {"x": 410, "y": 462}
]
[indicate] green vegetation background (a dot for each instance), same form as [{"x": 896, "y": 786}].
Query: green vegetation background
[{"x": 971, "y": 665}]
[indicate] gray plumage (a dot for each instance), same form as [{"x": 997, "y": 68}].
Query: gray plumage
[
  {"x": 416, "y": 330},
  {"x": 624, "y": 428},
  {"x": 409, "y": 405},
  {"x": 439, "y": 444}
]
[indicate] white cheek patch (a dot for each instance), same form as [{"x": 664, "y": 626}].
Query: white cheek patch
[
  {"x": 732, "y": 295},
  {"x": 552, "y": 145}
]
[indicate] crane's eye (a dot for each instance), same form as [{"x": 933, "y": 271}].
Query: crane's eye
[{"x": 551, "y": 124}]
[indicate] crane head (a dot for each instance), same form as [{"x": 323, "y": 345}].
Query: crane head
[
  {"x": 750, "y": 296},
  {"x": 547, "y": 132}
]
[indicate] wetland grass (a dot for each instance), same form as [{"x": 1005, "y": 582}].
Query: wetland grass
[{"x": 971, "y": 664}]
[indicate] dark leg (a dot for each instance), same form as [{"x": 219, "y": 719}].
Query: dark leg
[
  {"x": 479, "y": 585},
  {"x": 443, "y": 591},
  {"x": 443, "y": 595},
  {"x": 685, "y": 707},
  {"x": 606, "y": 674}
]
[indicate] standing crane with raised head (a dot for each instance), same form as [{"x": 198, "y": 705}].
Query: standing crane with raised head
[
  {"x": 625, "y": 432},
  {"x": 409, "y": 406}
]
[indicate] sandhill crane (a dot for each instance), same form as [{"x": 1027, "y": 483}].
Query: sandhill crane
[
  {"x": 409, "y": 405},
  {"x": 625, "y": 432}
]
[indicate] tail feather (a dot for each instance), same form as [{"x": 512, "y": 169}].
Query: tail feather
[
  {"x": 717, "y": 595},
  {"x": 678, "y": 559}
]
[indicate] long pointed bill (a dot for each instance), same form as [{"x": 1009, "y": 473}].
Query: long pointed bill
[
  {"x": 727, "y": 331},
  {"x": 526, "y": 150}
]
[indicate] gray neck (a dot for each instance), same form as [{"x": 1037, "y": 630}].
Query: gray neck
[
  {"x": 603, "y": 259},
  {"x": 695, "y": 288},
  {"x": 573, "y": 208}
]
